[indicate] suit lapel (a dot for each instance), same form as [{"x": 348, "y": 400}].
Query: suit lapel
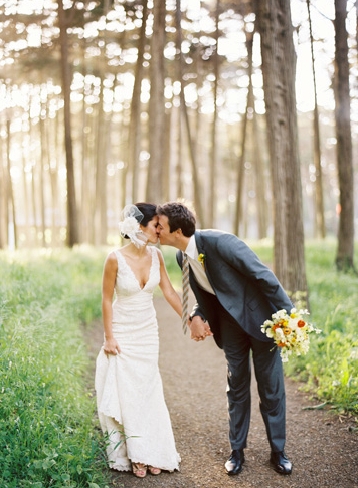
[
  {"x": 200, "y": 245},
  {"x": 199, "y": 242}
]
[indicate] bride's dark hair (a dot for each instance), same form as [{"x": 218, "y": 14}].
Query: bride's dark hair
[{"x": 148, "y": 210}]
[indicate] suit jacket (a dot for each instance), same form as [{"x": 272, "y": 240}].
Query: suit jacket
[{"x": 244, "y": 286}]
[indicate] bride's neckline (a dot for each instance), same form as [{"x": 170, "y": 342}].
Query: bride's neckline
[{"x": 133, "y": 273}]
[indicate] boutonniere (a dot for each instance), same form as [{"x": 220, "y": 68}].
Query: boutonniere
[{"x": 201, "y": 258}]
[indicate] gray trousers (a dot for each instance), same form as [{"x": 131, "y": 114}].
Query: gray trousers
[{"x": 268, "y": 369}]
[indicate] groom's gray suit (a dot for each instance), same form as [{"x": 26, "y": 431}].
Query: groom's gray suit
[{"x": 246, "y": 294}]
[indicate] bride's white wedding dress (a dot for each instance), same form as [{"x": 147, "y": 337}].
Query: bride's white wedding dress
[{"x": 130, "y": 399}]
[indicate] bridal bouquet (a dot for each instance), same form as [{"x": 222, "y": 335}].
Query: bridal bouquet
[{"x": 290, "y": 332}]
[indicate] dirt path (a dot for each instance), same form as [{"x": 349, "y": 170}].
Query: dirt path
[{"x": 323, "y": 449}]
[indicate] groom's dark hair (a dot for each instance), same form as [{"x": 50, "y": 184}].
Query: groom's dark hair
[{"x": 179, "y": 217}]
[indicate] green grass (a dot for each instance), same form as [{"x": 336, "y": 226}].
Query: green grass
[
  {"x": 49, "y": 435},
  {"x": 331, "y": 366}
]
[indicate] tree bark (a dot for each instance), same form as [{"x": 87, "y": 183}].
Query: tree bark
[
  {"x": 135, "y": 133},
  {"x": 101, "y": 224},
  {"x": 278, "y": 69},
  {"x": 241, "y": 163},
  {"x": 2, "y": 200},
  {"x": 185, "y": 116},
  {"x": 320, "y": 226},
  {"x": 10, "y": 203},
  {"x": 260, "y": 181},
  {"x": 156, "y": 105},
  {"x": 345, "y": 251},
  {"x": 213, "y": 152},
  {"x": 72, "y": 225}
]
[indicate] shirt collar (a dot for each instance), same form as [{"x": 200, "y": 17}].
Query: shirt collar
[{"x": 191, "y": 249}]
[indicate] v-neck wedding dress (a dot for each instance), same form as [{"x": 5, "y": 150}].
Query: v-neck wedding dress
[{"x": 130, "y": 399}]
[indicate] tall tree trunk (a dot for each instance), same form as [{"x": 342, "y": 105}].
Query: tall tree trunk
[
  {"x": 72, "y": 224},
  {"x": 320, "y": 227},
  {"x": 279, "y": 69},
  {"x": 24, "y": 159},
  {"x": 260, "y": 181},
  {"x": 240, "y": 172},
  {"x": 166, "y": 177},
  {"x": 53, "y": 174},
  {"x": 101, "y": 223},
  {"x": 33, "y": 197},
  {"x": 241, "y": 162},
  {"x": 178, "y": 148},
  {"x": 135, "y": 132},
  {"x": 43, "y": 162},
  {"x": 2, "y": 196},
  {"x": 213, "y": 153},
  {"x": 156, "y": 105},
  {"x": 345, "y": 251},
  {"x": 185, "y": 116},
  {"x": 356, "y": 4},
  {"x": 85, "y": 209},
  {"x": 10, "y": 203}
]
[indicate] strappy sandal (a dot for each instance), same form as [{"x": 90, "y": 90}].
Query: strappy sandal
[
  {"x": 154, "y": 471},
  {"x": 139, "y": 470}
]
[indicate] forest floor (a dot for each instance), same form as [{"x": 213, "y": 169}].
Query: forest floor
[{"x": 322, "y": 445}]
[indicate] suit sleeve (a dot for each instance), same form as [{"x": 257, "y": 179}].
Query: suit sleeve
[{"x": 240, "y": 257}]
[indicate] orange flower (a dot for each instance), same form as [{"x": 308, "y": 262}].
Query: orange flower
[
  {"x": 287, "y": 331},
  {"x": 301, "y": 323}
]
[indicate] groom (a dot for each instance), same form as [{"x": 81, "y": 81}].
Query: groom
[{"x": 235, "y": 294}]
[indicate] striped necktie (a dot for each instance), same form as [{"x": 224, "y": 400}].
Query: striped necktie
[{"x": 185, "y": 285}]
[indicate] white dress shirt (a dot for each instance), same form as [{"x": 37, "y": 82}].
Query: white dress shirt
[{"x": 196, "y": 266}]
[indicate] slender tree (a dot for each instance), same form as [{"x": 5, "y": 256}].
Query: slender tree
[
  {"x": 320, "y": 229},
  {"x": 186, "y": 124},
  {"x": 2, "y": 193},
  {"x": 9, "y": 191},
  {"x": 44, "y": 162},
  {"x": 260, "y": 180},
  {"x": 243, "y": 138},
  {"x": 135, "y": 130},
  {"x": 156, "y": 105},
  {"x": 345, "y": 251},
  {"x": 72, "y": 226},
  {"x": 102, "y": 152},
  {"x": 279, "y": 71},
  {"x": 213, "y": 145}
]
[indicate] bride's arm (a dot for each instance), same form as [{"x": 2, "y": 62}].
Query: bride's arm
[
  {"x": 167, "y": 288},
  {"x": 110, "y": 346}
]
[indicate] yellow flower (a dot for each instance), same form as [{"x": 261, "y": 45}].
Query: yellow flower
[
  {"x": 201, "y": 258},
  {"x": 290, "y": 332}
]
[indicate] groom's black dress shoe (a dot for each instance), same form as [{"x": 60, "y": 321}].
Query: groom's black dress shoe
[
  {"x": 234, "y": 464},
  {"x": 280, "y": 463}
]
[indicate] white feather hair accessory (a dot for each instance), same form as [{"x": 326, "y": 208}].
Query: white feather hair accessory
[{"x": 129, "y": 225}]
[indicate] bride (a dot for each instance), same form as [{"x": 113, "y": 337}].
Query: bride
[{"x": 130, "y": 400}]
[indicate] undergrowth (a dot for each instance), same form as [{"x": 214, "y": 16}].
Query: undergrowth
[{"x": 49, "y": 436}]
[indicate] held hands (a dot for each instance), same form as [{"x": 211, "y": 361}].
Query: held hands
[
  {"x": 199, "y": 329},
  {"x": 111, "y": 346}
]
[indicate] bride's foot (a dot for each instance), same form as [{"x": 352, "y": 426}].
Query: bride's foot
[
  {"x": 154, "y": 471},
  {"x": 139, "y": 470}
]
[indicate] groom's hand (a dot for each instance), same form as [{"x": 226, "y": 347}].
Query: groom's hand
[{"x": 199, "y": 329}]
